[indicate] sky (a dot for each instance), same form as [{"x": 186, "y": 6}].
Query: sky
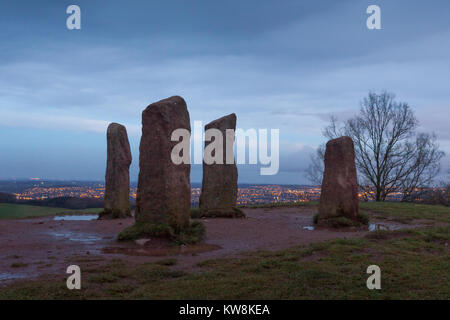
[{"x": 286, "y": 65}]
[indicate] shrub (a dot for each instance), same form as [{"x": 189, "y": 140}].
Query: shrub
[
  {"x": 339, "y": 222},
  {"x": 142, "y": 230},
  {"x": 363, "y": 218},
  {"x": 342, "y": 222},
  {"x": 194, "y": 233},
  {"x": 113, "y": 214},
  {"x": 197, "y": 213},
  {"x": 315, "y": 218}
]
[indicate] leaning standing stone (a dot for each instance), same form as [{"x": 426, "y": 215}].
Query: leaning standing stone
[
  {"x": 164, "y": 190},
  {"x": 339, "y": 196},
  {"x": 117, "y": 178},
  {"x": 219, "y": 183}
]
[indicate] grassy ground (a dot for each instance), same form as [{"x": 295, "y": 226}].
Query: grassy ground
[
  {"x": 414, "y": 265},
  {"x": 407, "y": 212},
  {"x": 396, "y": 211},
  {"x": 16, "y": 211}
]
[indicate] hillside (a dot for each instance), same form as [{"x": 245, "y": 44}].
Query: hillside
[
  {"x": 16, "y": 211},
  {"x": 58, "y": 202}
]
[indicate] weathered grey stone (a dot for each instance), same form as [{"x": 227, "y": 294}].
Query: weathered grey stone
[
  {"x": 117, "y": 178},
  {"x": 164, "y": 190},
  {"x": 219, "y": 183},
  {"x": 339, "y": 196}
]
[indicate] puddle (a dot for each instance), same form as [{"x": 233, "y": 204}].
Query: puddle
[
  {"x": 11, "y": 276},
  {"x": 372, "y": 227},
  {"x": 379, "y": 227},
  {"x": 76, "y": 236},
  {"x": 84, "y": 217},
  {"x": 386, "y": 227}
]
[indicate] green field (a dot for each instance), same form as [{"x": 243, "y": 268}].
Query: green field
[{"x": 17, "y": 211}]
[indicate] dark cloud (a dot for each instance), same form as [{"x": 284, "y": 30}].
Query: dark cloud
[{"x": 287, "y": 65}]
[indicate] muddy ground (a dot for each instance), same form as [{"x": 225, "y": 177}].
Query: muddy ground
[{"x": 30, "y": 248}]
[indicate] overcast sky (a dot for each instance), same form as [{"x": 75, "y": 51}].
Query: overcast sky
[{"x": 285, "y": 64}]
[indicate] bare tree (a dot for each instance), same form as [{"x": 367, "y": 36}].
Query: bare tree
[
  {"x": 425, "y": 167},
  {"x": 390, "y": 155},
  {"x": 447, "y": 191},
  {"x": 314, "y": 172},
  {"x": 439, "y": 195}
]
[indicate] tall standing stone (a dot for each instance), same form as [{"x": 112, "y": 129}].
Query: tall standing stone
[
  {"x": 164, "y": 190},
  {"x": 339, "y": 196},
  {"x": 219, "y": 183},
  {"x": 117, "y": 177}
]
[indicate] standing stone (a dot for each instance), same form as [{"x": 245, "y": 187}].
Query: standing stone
[
  {"x": 164, "y": 189},
  {"x": 339, "y": 196},
  {"x": 219, "y": 183},
  {"x": 117, "y": 188}
]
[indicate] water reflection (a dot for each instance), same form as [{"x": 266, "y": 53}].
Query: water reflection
[
  {"x": 77, "y": 217},
  {"x": 372, "y": 227},
  {"x": 378, "y": 227},
  {"x": 11, "y": 276},
  {"x": 76, "y": 236}
]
